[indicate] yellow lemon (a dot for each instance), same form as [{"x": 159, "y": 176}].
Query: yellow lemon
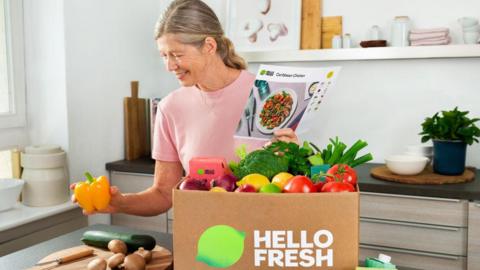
[
  {"x": 281, "y": 179},
  {"x": 255, "y": 179},
  {"x": 217, "y": 189}
]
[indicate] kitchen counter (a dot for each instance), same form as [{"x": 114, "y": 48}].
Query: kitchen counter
[
  {"x": 27, "y": 257},
  {"x": 465, "y": 191},
  {"x": 21, "y": 214}
]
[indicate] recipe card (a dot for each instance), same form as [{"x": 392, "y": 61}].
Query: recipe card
[{"x": 284, "y": 97}]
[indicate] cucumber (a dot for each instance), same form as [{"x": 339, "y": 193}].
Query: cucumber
[{"x": 134, "y": 241}]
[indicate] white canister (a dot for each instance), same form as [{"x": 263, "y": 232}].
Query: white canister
[
  {"x": 45, "y": 176},
  {"x": 337, "y": 42},
  {"x": 400, "y": 32},
  {"x": 346, "y": 41}
]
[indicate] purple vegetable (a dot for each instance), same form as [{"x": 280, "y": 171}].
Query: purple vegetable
[
  {"x": 194, "y": 184},
  {"x": 226, "y": 181}
]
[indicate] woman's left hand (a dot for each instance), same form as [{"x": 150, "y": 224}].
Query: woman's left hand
[{"x": 284, "y": 134}]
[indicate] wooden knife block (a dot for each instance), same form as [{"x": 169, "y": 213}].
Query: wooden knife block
[{"x": 135, "y": 120}]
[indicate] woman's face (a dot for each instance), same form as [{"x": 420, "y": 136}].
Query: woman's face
[{"x": 186, "y": 61}]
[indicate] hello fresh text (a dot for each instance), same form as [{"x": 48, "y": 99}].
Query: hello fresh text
[{"x": 285, "y": 249}]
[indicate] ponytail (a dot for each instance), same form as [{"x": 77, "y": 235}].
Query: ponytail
[{"x": 229, "y": 56}]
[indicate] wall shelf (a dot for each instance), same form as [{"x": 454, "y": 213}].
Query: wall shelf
[{"x": 379, "y": 53}]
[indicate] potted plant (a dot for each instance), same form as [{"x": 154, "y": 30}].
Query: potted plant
[{"x": 451, "y": 132}]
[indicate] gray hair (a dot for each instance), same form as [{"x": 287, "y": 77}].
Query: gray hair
[{"x": 193, "y": 21}]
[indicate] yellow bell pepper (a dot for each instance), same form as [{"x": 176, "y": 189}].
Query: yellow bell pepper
[{"x": 93, "y": 194}]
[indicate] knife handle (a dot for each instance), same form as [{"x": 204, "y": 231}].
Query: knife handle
[{"x": 76, "y": 255}]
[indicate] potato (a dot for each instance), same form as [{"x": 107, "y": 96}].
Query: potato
[
  {"x": 97, "y": 264},
  {"x": 117, "y": 246},
  {"x": 115, "y": 260},
  {"x": 134, "y": 262}
]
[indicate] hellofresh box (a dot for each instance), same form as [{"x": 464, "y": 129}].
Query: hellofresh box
[
  {"x": 232, "y": 230},
  {"x": 282, "y": 206}
]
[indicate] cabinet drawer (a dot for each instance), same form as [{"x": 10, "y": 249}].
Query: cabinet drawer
[
  {"x": 439, "y": 211},
  {"x": 474, "y": 236},
  {"x": 421, "y": 237},
  {"x": 417, "y": 260},
  {"x": 131, "y": 182}
]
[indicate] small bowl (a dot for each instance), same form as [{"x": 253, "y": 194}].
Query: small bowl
[
  {"x": 9, "y": 191},
  {"x": 406, "y": 164}
]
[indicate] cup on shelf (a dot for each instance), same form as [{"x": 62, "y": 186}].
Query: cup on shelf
[{"x": 337, "y": 42}]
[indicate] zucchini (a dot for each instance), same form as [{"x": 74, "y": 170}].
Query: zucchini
[{"x": 134, "y": 241}]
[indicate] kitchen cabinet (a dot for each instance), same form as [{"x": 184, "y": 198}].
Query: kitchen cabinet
[
  {"x": 474, "y": 235},
  {"x": 35, "y": 231},
  {"x": 418, "y": 232},
  {"x": 131, "y": 183}
]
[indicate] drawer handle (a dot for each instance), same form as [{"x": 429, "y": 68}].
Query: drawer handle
[
  {"x": 410, "y": 197},
  {"x": 411, "y": 252},
  {"x": 417, "y": 225}
]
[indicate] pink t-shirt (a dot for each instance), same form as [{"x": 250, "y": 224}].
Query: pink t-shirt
[{"x": 194, "y": 123}]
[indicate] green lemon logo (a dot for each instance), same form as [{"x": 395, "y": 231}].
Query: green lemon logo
[
  {"x": 220, "y": 246},
  {"x": 263, "y": 72}
]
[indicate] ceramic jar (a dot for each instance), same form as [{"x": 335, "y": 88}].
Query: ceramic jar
[
  {"x": 45, "y": 175},
  {"x": 400, "y": 32}
]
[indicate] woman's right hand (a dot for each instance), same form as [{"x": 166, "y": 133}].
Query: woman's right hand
[{"x": 113, "y": 207}]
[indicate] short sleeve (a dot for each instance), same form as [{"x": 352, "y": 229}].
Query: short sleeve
[{"x": 164, "y": 148}]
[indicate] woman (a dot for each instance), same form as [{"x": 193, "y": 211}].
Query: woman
[{"x": 199, "y": 118}]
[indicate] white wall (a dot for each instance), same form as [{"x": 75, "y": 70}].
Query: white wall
[{"x": 45, "y": 72}]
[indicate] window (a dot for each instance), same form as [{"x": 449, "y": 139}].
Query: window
[{"x": 12, "y": 77}]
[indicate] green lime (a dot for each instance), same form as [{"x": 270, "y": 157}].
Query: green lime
[{"x": 270, "y": 188}]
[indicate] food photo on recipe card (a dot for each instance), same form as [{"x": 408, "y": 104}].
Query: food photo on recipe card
[{"x": 282, "y": 97}]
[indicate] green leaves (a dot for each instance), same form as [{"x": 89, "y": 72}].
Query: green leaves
[{"x": 451, "y": 125}]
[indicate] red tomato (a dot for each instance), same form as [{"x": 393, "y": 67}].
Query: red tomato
[
  {"x": 299, "y": 184},
  {"x": 337, "y": 187},
  {"x": 343, "y": 173},
  {"x": 319, "y": 185}
]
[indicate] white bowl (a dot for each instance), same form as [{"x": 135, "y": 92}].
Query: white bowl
[
  {"x": 9, "y": 191},
  {"x": 420, "y": 149},
  {"x": 406, "y": 164},
  {"x": 467, "y": 21},
  {"x": 474, "y": 28}
]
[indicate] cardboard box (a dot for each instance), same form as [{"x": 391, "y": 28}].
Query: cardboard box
[{"x": 213, "y": 230}]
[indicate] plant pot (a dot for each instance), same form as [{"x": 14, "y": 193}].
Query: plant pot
[{"x": 449, "y": 157}]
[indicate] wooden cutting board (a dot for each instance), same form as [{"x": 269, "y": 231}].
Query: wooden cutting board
[
  {"x": 331, "y": 26},
  {"x": 161, "y": 259},
  {"x": 311, "y": 24},
  {"x": 427, "y": 177},
  {"x": 135, "y": 121}
]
